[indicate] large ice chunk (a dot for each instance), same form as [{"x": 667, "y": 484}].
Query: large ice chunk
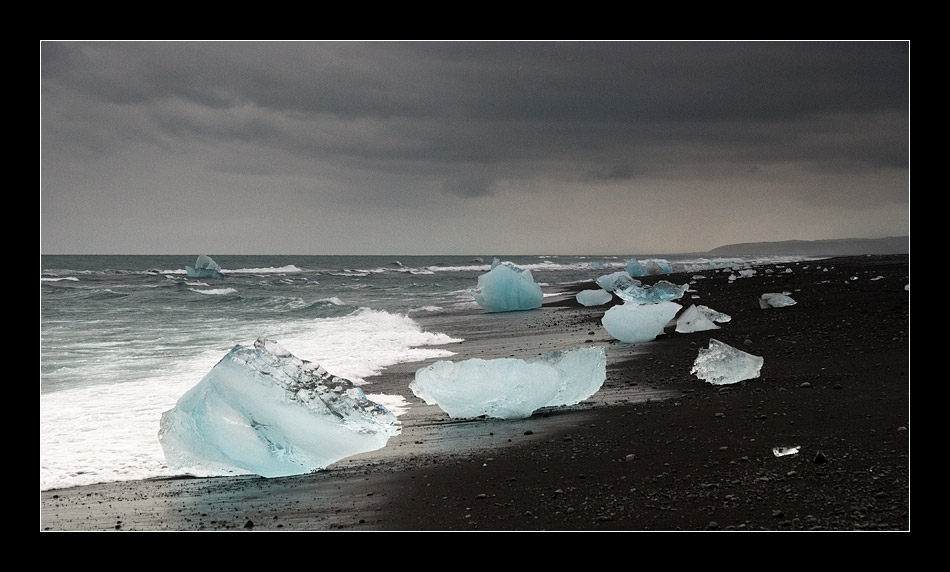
[
  {"x": 205, "y": 267},
  {"x": 261, "y": 410},
  {"x": 635, "y": 323},
  {"x": 511, "y": 388},
  {"x": 596, "y": 297},
  {"x": 662, "y": 291},
  {"x": 722, "y": 364},
  {"x": 507, "y": 288}
]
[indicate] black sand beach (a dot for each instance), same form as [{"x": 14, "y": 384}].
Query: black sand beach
[{"x": 656, "y": 449}]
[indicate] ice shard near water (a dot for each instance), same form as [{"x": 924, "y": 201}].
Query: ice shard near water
[
  {"x": 263, "y": 411},
  {"x": 722, "y": 364},
  {"x": 594, "y": 297},
  {"x": 511, "y": 388},
  {"x": 204, "y": 267},
  {"x": 635, "y": 323},
  {"x": 507, "y": 288}
]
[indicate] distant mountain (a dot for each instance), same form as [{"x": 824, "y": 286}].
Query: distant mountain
[{"x": 835, "y": 247}]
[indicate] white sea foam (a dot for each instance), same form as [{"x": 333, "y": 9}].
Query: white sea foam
[
  {"x": 269, "y": 270},
  {"x": 108, "y": 431},
  {"x": 215, "y": 291}
]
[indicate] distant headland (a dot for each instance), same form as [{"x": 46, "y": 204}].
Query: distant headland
[{"x": 833, "y": 247}]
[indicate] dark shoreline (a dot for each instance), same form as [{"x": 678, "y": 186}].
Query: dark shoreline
[{"x": 835, "y": 382}]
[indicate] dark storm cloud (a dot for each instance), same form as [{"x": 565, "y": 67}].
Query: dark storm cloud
[
  {"x": 491, "y": 101},
  {"x": 398, "y": 121}
]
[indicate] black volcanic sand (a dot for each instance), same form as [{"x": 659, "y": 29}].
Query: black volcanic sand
[{"x": 655, "y": 449}]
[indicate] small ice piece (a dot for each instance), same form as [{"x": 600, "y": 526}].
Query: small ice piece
[
  {"x": 783, "y": 451},
  {"x": 594, "y": 297},
  {"x": 694, "y": 320},
  {"x": 261, "y": 410},
  {"x": 507, "y": 288},
  {"x": 775, "y": 300},
  {"x": 511, "y": 388},
  {"x": 616, "y": 281},
  {"x": 722, "y": 364},
  {"x": 205, "y": 267},
  {"x": 662, "y": 291},
  {"x": 635, "y": 323},
  {"x": 715, "y": 316}
]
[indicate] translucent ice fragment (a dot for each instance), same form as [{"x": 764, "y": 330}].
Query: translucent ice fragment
[
  {"x": 204, "y": 267},
  {"x": 511, "y": 388},
  {"x": 616, "y": 281},
  {"x": 775, "y": 300},
  {"x": 507, "y": 288},
  {"x": 722, "y": 364},
  {"x": 263, "y": 411},
  {"x": 783, "y": 451},
  {"x": 635, "y": 323},
  {"x": 635, "y": 268},
  {"x": 715, "y": 316},
  {"x": 662, "y": 291},
  {"x": 694, "y": 320},
  {"x": 594, "y": 297}
]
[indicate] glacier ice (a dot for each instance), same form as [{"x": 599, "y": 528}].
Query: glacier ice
[
  {"x": 775, "y": 300},
  {"x": 262, "y": 410},
  {"x": 204, "y": 267},
  {"x": 635, "y": 323},
  {"x": 658, "y": 266},
  {"x": 594, "y": 297},
  {"x": 722, "y": 364},
  {"x": 634, "y": 268},
  {"x": 616, "y": 281},
  {"x": 511, "y": 388},
  {"x": 694, "y": 320},
  {"x": 652, "y": 266},
  {"x": 507, "y": 288},
  {"x": 662, "y": 291}
]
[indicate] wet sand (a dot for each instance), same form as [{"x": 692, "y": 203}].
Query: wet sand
[{"x": 655, "y": 449}]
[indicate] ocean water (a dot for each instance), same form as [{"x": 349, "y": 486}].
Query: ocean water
[{"x": 123, "y": 337}]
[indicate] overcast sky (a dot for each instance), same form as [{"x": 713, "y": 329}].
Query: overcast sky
[{"x": 469, "y": 147}]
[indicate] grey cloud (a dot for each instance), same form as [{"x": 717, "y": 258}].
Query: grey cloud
[{"x": 403, "y": 123}]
